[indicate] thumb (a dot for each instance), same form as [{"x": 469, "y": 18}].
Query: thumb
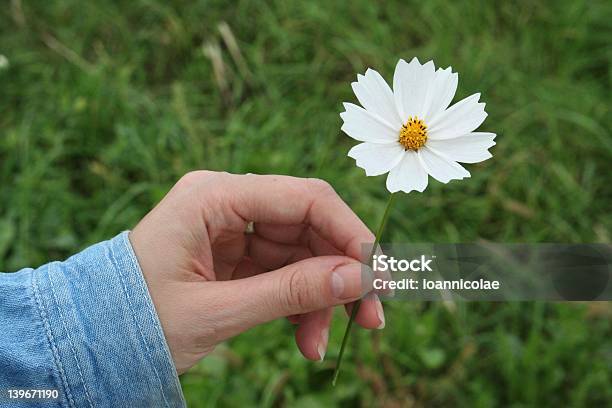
[{"x": 311, "y": 284}]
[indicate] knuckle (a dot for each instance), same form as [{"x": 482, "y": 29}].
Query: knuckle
[
  {"x": 206, "y": 339},
  {"x": 295, "y": 292},
  {"x": 191, "y": 178},
  {"x": 218, "y": 178},
  {"x": 200, "y": 177},
  {"x": 320, "y": 186},
  {"x": 221, "y": 174}
]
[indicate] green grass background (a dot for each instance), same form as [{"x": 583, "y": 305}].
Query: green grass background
[{"x": 105, "y": 104}]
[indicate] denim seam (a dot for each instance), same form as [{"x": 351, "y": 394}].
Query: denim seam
[
  {"x": 50, "y": 339},
  {"x": 131, "y": 307},
  {"x": 152, "y": 312},
  {"x": 70, "y": 342}
]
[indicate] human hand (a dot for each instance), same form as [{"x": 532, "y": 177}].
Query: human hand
[{"x": 210, "y": 281}]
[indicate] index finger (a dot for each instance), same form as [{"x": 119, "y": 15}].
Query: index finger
[{"x": 291, "y": 200}]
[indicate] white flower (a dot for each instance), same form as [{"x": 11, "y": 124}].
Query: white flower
[{"x": 409, "y": 132}]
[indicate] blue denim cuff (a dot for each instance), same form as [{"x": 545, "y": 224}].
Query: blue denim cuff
[{"x": 104, "y": 334}]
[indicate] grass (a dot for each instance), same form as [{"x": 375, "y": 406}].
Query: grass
[{"x": 105, "y": 104}]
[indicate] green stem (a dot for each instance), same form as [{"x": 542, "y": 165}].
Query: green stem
[{"x": 357, "y": 303}]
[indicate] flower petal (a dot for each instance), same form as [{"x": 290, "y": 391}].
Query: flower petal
[
  {"x": 460, "y": 119},
  {"x": 376, "y": 158},
  {"x": 470, "y": 148},
  {"x": 411, "y": 82},
  {"x": 441, "y": 93},
  {"x": 365, "y": 126},
  {"x": 376, "y": 96},
  {"x": 440, "y": 167},
  {"x": 408, "y": 175}
]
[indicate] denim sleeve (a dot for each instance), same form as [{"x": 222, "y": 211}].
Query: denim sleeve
[{"x": 87, "y": 328}]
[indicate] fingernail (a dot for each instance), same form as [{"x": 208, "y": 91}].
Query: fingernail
[
  {"x": 350, "y": 281},
  {"x": 380, "y": 313},
  {"x": 322, "y": 346}
]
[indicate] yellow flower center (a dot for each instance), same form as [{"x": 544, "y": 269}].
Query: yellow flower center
[{"x": 413, "y": 134}]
